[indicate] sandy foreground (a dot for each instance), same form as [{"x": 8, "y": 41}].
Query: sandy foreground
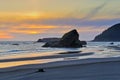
[
  {"x": 62, "y": 66},
  {"x": 87, "y": 69}
]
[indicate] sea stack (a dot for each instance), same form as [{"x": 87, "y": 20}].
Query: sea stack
[
  {"x": 69, "y": 40},
  {"x": 48, "y": 39},
  {"x": 111, "y": 34}
]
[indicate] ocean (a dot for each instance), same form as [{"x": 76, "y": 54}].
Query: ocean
[
  {"x": 21, "y": 47},
  {"x": 16, "y": 53}
]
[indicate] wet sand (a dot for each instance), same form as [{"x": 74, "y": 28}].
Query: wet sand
[
  {"x": 61, "y": 66},
  {"x": 107, "y": 69}
]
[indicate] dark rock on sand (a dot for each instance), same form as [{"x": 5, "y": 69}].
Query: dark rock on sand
[
  {"x": 41, "y": 70},
  {"x": 48, "y": 39},
  {"x": 111, "y": 34},
  {"x": 69, "y": 40}
]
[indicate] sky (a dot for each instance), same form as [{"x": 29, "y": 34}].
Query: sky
[{"x": 29, "y": 20}]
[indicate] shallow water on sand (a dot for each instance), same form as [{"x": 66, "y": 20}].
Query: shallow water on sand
[{"x": 24, "y": 53}]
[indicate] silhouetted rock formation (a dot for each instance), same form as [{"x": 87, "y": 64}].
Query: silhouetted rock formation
[
  {"x": 39, "y": 40},
  {"x": 15, "y": 44},
  {"x": 48, "y": 39},
  {"x": 70, "y": 39},
  {"x": 83, "y": 42},
  {"x": 41, "y": 70},
  {"x": 111, "y": 34}
]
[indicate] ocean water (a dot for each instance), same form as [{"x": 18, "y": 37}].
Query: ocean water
[
  {"x": 21, "y": 47},
  {"x": 17, "y": 53}
]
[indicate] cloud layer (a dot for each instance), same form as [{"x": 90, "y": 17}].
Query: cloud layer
[{"x": 45, "y": 18}]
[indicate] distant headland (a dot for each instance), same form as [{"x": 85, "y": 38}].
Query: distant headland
[{"x": 111, "y": 34}]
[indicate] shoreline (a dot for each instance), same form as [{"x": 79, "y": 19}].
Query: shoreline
[
  {"x": 95, "y": 70},
  {"x": 62, "y": 64},
  {"x": 77, "y": 65},
  {"x": 58, "y": 55},
  {"x": 20, "y": 60}
]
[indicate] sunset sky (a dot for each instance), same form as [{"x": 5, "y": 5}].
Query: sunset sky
[{"x": 33, "y": 19}]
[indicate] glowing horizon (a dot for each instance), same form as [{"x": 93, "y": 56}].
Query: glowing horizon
[{"x": 34, "y": 19}]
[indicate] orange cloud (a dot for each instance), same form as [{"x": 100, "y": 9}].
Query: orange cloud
[
  {"x": 30, "y": 29},
  {"x": 4, "y": 35},
  {"x": 33, "y": 26}
]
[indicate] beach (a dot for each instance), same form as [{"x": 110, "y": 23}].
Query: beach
[
  {"x": 59, "y": 40},
  {"x": 91, "y": 69},
  {"x": 94, "y": 62}
]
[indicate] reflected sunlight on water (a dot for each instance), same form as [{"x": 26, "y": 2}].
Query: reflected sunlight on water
[{"x": 28, "y": 62}]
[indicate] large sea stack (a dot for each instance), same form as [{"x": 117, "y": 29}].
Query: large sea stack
[
  {"x": 111, "y": 34},
  {"x": 69, "y": 40}
]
